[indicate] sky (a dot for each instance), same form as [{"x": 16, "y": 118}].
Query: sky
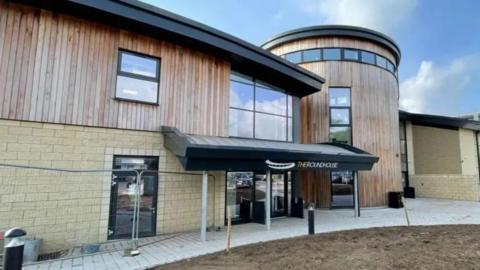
[{"x": 439, "y": 71}]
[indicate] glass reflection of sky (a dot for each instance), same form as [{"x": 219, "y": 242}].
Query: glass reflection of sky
[
  {"x": 241, "y": 95},
  {"x": 340, "y": 116},
  {"x": 270, "y": 101},
  {"x": 339, "y": 97},
  {"x": 139, "y": 65},
  {"x": 270, "y": 127}
]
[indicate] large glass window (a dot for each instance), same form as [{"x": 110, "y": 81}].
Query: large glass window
[
  {"x": 137, "y": 77},
  {"x": 258, "y": 110},
  {"x": 381, "y": 61}
]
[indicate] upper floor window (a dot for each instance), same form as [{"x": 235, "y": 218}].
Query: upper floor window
[
  {"x": 331, "y": 54},
  {"x": 312, "y": 55},
  {"x": 258, "y": 110},
  {"x": 137, "y": 77},
  {"x": 340, "y": 115},
  {"x": 368, "y": 57},
  {"x": 350, "y": 54},
  {"x": 295, "y": 57}
]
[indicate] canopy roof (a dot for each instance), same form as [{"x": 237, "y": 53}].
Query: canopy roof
[{"x": 198, "y": 153}]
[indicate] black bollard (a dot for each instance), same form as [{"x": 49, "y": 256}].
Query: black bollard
[
  {"x": 311, "y": 219},
  {"x": 13, "y": 249}
]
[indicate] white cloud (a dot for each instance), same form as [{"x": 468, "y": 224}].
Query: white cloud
[
  {"x": 440, "y": 89},
  {"x": 381, "y": 15}
]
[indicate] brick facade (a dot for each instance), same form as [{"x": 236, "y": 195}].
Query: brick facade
[
  {"x": 69, "y": 209},
  {"x": 455, "y": 187}
]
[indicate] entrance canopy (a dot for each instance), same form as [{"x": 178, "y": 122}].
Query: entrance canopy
[{"x": 209, "y": 153}]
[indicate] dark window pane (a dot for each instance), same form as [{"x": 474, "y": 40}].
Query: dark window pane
[
  {"x": 240, "y": 123},
  {"x": 340, "y": 116},
  {"x": 139, "y": 65},
  {"x": 241, "y": 95},
  {"x": 135, "y": 89},
  {"x": 311, "y": 55},
  {"x": 270, "y": 127},
  {"x": 339, "y": 97},
  {"x": 341, "y": 135},
  {"x": 350, "y": 54},
  {"x": 238, "y": 193},
  {"x": 368, "y": 57},
  {"x": 295, "y": 57},
  {"x": 331, "y": 54},
  {"x": 381, "y": 61},
  {"x": 270, "y": 101},
  {"x": 390, "y": 66}
]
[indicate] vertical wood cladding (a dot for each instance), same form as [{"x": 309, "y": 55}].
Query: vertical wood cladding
[
  {"x": 374, "y": 118},
  {"x": 56, "y": 68}
]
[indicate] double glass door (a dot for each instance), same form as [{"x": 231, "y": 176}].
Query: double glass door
[
  {"x": 246, "y": 195},
  {"x": 122, "y": 197}
]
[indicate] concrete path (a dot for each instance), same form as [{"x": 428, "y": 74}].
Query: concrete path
[{"x": 187, "y": 245}]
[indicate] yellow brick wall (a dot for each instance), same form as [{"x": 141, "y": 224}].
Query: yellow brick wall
[
  {"x": 68, "y": 209},
  {"x": 455, "y": 187}
]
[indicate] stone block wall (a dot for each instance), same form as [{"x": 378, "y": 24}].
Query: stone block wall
[
  {"x": 455, "y": 187},
  {"x": 70, "y": 209}
]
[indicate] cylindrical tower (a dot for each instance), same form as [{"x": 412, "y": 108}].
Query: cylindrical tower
[{"x": 358, "y": 105}]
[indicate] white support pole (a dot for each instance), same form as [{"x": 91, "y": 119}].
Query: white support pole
[
  {"x": 268, "y": 200},
  {"x": 203, "y": 224},
  {"x": 355, "y": 190}
]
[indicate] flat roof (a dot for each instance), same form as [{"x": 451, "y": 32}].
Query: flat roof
[
  {"x": 149, "y": 20},
  {"x": 439, "y": 121},
  {"x": 199, "y": 153},
  {"x": 335, "y": 30}
]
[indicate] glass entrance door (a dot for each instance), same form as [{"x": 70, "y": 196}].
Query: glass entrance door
[
  {"x": 239, "y": 195},
  {"x": 279, "y": 195},
  {"x": 342, "y": 189},
  {"x": 122, "y": 197}
]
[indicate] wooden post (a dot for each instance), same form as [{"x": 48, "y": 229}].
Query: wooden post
[{"x": 229, "y": 229}]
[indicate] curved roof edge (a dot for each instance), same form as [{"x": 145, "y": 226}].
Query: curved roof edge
[
  {"x": 335, "y": 30},
  {"x": 439, "y": 121},
  {"x": 152, "y": 21}
]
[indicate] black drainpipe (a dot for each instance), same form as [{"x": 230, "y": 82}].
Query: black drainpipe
[{"x": 478, "y": 153}]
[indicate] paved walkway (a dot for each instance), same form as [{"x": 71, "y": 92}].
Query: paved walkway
[{"x": 187, "y": 245}]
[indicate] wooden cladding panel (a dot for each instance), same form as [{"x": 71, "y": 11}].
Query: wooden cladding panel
[
  {"x": 60, "y": 69},
  {"x": 374, "y": 125}
]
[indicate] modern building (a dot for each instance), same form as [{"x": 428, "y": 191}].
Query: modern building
[
  {"x": 440, "y": 156},
  {"x": 116, "y": 88},
  {"x": 358, "y": 105},
  {"x": 120, "y": 87}
]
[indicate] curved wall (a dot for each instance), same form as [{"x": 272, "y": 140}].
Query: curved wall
[{"x": 375, "y": 125}]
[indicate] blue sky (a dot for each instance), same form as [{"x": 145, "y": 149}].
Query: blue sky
[{"x": 440, "y": 39}]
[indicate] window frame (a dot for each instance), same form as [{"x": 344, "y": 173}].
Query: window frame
[
  {"x": 256, "y": 83},
  {"x": 350, "y": 125},
  {"x": 155, "y": 79}
]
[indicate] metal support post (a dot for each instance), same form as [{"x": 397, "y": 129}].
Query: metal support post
[{"x": 203, "y": 225}]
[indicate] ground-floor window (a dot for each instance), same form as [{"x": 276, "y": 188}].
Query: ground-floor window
[
  {"x": 122, "y": 196},
  {"x": 342, "y": 189},
  {"x": 246, "y": 195}
]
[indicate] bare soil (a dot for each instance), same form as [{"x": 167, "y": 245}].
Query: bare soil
[{"x": 420, "y": 247}]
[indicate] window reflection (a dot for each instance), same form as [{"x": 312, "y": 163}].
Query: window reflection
[
  {"x": 240, "y": 123},
  {"x": 312, "y": 55},
  {"x": 331, "y": 54},
  {"x": 368, "y": 57},
  {"x": 350, "y": 54},
  {"x": 270, "y": 101},
  {"x": 341, "y": 135},
  {"x": 340, "y": 116},
  {"x": 295, "y": 57},
  {"x": 381, "y": 61},
  {"x": 270, "y": 127},
  {"x": 339, "y": 97},
  {"x": 138, "y": 65},
  {"x": 257, "y": 110},
  {"x": 241, "y": 95},
  {"x": 136, "y": 89}
]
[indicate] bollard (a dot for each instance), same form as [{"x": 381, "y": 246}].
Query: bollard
[
  {"x": 311, "y": 219},
  {"x": 13, "y": 249}
]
